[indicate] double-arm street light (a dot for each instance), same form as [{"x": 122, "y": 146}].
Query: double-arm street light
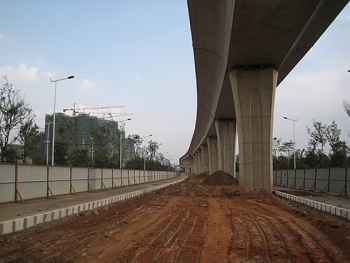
[
  {"x": 144, "y": 152},
  {"x": 121, "y": 142},
  {"x": 293, "y": 120},
  {"x": 54, "y": 119}
]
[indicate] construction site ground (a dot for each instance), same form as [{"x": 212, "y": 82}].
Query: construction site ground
[{"x": 202, "y": 219}]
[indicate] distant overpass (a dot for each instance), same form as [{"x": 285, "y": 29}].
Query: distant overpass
[{"x": 243, "y": 49}]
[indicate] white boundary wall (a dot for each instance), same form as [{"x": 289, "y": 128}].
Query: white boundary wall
[
  {"x": 30, "y": 181},
  {"x": 332, "y": 180},
  {"x": 18, "y": 224}
]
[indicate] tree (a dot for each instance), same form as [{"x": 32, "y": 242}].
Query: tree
[
  {"x": 29, "y": 137},
  {"x": 339, "y": 156},
  {"x": 318, "y": 135},
  {"x": 332, "y": 134},
  {"x": 346, "y": 106},
  {"x": 152, "y": 149},
  {"x": 80, "y": 158},
  {"x": 61, "y": 153},
  {"x": 339, "y": 148},
  {"x": 101, "y": 135},
  {"x": 135, "y": 164},
  {"x": 137, "y": 139},
  {"x": 276, "y": 146},
  {"x": 14, "y": 111}
]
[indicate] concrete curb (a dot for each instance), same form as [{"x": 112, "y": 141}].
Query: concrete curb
[
  {"x": 334, "y": 210},
  {"x": 18, "y": 224}
]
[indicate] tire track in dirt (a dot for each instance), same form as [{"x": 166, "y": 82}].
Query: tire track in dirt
[
  {"x": 188, "y": 222},
  {"x": 306, "y": 237}
]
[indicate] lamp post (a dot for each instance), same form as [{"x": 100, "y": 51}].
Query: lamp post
[
  {"x": 293, "y": 120},
  {"x": 47, "y": 142},
  {"x": 54, "y": 119},
  {"x": 92, "y": 148},
  {"x": 144, "y": 153},
  {"x": 121, "y": 142}
]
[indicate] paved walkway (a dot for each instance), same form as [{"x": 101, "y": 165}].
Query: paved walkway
[{"x": 18, "y": 216}]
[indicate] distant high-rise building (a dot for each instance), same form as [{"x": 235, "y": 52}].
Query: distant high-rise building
[{"x": 78, "y": 133}]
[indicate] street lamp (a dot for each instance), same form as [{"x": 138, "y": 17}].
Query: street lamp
[
  {"x": 121, "y": 142},
  {"x": 144, "y": 154},
  {"x": 92, "y": 148},
  {"x": 54, "y": 119},
  {"x": 47, "y": 142},
  {"x": 293, "y": 120}
]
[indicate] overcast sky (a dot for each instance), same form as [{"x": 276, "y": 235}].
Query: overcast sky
[{"x": 138, "y": 54}]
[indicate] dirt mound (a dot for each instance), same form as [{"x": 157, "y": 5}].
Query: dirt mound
[
  {"x": 202, "y": 175},
  {"x": 220, "y": 178}
]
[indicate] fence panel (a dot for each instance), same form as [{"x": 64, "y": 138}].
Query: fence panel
[
  {"x": 337, "y": 178},
  {"x": 133, "y": 179},
  {"x": 283, "y": 177},
  {"x": 117, "y": 177},
  {"x": 32, "y": 181},
  {"x": 138, "y": 176},
  {"x": 7, "y": 183},
  {"x": 322, "y": 180},
  {"x": 125, "y": 177},
  {"x": 59, "y": 180},
  {"x": 79, "y": 179},
  {"x": 107, "y": 178},
  {"x": 290, "y": 177},
  {"x": 299, "y": 182},
  {"x": 95, "y": 178},
  {"x": 309, "y": 178}
]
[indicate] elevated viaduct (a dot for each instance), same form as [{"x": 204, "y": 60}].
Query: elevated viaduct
[{"x": 243, "y": 49}]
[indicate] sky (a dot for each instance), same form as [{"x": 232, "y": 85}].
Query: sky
[{"x": 138, "y": 54}]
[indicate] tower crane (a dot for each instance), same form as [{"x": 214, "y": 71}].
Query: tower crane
[
  {"x": 118, "y": 115},
  {"x": 75, "y": 110}
]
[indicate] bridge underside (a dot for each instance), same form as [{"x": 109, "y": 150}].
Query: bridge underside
[{"x": 243, "y": 49}]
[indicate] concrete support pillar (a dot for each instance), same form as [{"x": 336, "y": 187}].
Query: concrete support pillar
[
  {"x": 194, "y": 166},
  {"x": 254, "y": 97},
  {"x": 196, "y": 163},
  {"x": 226, "y": 137},
  {"x": 187, "y": 164},
  {"x": 200, "y": 161},
  {"x": 205, "y": 158},
  {"x": 213, "y": 154}
]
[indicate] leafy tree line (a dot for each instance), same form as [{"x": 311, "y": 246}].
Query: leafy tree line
[
  {"x": 17, "y": 126},
  {"x": 314, "y": 156}
]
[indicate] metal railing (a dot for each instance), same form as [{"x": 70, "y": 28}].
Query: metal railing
[{"x": 22, "y": 182}]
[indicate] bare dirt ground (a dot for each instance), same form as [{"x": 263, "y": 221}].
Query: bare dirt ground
[{"x": 203, "y": 219}]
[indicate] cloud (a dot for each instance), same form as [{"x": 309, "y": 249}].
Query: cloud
[
  {"x": 137, "y": 78},
  {"x": 21, "y": 74},
  {"x": 86, "y": 86},
  {"x": 321, "y": 93},
  {"x": 47, "y": 75},
  {"x": 2, "y": 36}
]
